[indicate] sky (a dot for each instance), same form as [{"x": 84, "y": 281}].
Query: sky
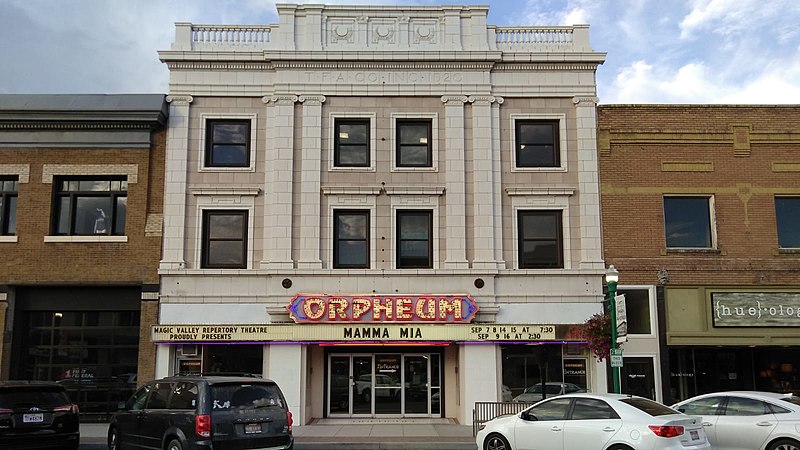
[{"x": 658, "y": 51}]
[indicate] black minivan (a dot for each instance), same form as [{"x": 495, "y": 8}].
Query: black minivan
[{"x": 204, "y": 413}]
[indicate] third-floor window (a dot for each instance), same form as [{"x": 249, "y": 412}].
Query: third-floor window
[
  {"x": 8, "y": 205},
  {"x": 351, "y": 143},
  {"x": 227, "y": 143},
  {"x": 90, "y": 206}
]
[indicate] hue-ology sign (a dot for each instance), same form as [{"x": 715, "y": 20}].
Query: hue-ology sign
[{"x": 321, "y": 308}]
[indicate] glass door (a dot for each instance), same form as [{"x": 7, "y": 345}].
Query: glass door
[
  {"x": 416, "y": 384},
  {"x": 350, "y": 385},
  {"x": 387, "y": 385}
]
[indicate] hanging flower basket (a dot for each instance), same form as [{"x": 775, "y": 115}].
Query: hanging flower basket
[{"x": 597, "y": 333}]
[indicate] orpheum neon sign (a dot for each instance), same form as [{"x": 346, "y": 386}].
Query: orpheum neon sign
[{"x": 321, "y": 308}]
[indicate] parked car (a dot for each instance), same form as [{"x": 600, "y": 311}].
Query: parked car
[
  {"x": 585, "y": 421},
  {"x": 384, "y": 386},
  {"x": 37, "y": 414},
  {"x": 747, "y": 419},
  {"x": 534, "y": 393},
  {"x": 203, "y": 412}
]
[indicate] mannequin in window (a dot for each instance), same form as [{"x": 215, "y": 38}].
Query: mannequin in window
[{"x": 100, "y": 222}]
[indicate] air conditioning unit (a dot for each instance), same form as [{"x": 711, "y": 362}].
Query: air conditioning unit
[{"x": 189, "y": 350}]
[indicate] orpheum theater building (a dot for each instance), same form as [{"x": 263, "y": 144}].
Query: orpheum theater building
[{"x": 392, "y": 212}]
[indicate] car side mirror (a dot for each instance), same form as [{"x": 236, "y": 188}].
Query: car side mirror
[
  {"x": 527, "y": 416},
  {"x": 683, "y": 410},
  {"x": 121, "y": 406}
]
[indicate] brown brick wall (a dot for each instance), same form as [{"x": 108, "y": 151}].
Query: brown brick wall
[
  {"x": 147, "y": 350},
  {"x": 636, "y": 140}
]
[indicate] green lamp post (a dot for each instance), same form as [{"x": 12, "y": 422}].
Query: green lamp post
[{"x": 612, "y": 276}]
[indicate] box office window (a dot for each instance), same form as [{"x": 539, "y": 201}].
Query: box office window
[
  {"x": 350, "y": 239},
  {"x": 540, "y": 239},
  {"x": 224, "y": 239},
  {"x": 787, "y": 217},
  {"x": 227, "y": 143},
  {"x": 414, "y": 143},
  {"x": 688, "y": 222},
  {"x": 414, "y": 239},
  {"x": 8, "y": 205},
  {"x": 537, "y": 143},
  {"x": 90, "y": 206},
  {"x": 351, "y": 143}
]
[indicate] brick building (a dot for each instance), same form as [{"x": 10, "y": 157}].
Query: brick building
[
  {"x": 414, "y": 162},
  {"x": 701, "y": 215},
  {"x": 81, "y": 200}
]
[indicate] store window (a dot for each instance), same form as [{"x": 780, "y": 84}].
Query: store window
[
  {"x": 537, "y": 143},
  {"x": 637, "y": 309},
  {"x": 688, "y": 222},
  {"x": 414, "y": 143},
  {"x": 525, "y": 366},
  {"x": 224, "y": 239},
  {"x": 245, "y": 359},
  {"x": 787, "y": 217},
  {"x": 540, "y": 239},
  {"x": 351, "y": 239},
  {"x": 227, "y": 143},
  {"x": 8, "y": 205},
  {"x": 351, "y": 143},
  {"x": 414, "y": 239},
  {"x": 90, "y": 206}
]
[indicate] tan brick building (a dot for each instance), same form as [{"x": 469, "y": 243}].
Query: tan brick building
[
  {"x": 81, "y": 207},
  {"x": 701, "y": 216}
]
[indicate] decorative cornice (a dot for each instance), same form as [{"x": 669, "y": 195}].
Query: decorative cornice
[
  {"x": 585, "y": 101},
  {"x": 540, "y": 191},
  {"x": 351, "y": 190},
  {"x": 381, "y": 65},
  {"x": 560, "y": 67},
  {"x": 280, "y": 99},
  {"x": 484, "y": 99},
  {"x": 217, "y": 190},
  {"x": 58, "y": 125},
  {"x": 454, "y": 99},
  {"x": 312, "y": 99},
  {"x": 196, "y": 65},
  {"x": 182, "y": 100},
  {"x": 414, "y": 190}
]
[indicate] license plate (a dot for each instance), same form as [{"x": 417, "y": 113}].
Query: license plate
[
  {"x": 251, "y": 428},
  {"x": 33, "y": 418},
  {"x": 694, "y": 434}
]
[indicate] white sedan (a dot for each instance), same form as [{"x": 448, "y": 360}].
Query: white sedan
[
  {"x": 747, "y": 420},
  {"x": 594, "y": 422}
]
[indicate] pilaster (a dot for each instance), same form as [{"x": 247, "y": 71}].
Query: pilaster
[
  {"x": 175, "y": 186},
  {"x": 455, "y": 182},
  {"x": 588, "y": 183},
  {"x": 310, "y": 173}
]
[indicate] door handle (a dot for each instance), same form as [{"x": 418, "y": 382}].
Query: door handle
[
  {"x": 764, "y": 424},
  {"x": 708, "y": 424},
  {"x": 556, "y": 428},
  {"x": 609, "y": 429}
]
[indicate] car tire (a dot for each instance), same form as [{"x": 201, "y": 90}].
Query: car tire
[
  {"x": 784, "y": 444},
  {"x": 174, "y": 445},
  {"x": 113, "y": 439},
  {"x": 620, "y": 447},
  {"x": 496, "y": 442}
]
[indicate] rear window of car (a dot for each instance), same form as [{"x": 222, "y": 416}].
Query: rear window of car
[
  {"x": 225, "y": 397},
  {"x": 650, "y": 407},
  {"x": 43, "y": 397}
]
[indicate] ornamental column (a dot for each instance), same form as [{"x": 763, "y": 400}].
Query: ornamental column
[
  {"x": 455, "y": 182},
  {"x": 172, "y": 255},
  {"x": 588, "y": 183},
  {"x": 278, "y": 182},
  {"x": 310, "y": 173}
]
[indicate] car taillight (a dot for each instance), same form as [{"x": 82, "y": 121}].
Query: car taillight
[
  {"x": 6, "y": 411},
  {"x": 289, "y": 420},
  {"x": 202, "y": 425},
  {"x": 667, "y": 431},
  {"x": 66, "y": 408}
]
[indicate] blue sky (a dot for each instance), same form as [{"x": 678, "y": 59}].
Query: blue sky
[{"x": 659, "y": 51}]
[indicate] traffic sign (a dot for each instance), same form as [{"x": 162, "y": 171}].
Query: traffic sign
[{"x": 616, "y": 357}]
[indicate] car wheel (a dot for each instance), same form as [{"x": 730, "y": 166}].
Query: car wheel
[
  {"x": 784, "y": 444},
  {"x": 496, "y": 442},
  {"x": 174, "y": 445},
  {"x": 620, "y": 447},
  {"x": 113, "y": 439}
]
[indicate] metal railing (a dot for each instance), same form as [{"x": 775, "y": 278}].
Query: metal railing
[{"x": 486, "y": 411}]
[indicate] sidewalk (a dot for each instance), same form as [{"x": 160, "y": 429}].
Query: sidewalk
[{"x": 354, "y": 435}]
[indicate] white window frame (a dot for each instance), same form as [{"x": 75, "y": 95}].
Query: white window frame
[
  {"x": 434, "y": 118},
  {"x": 711, "y": 217},
  {"x": 373, "y": 140},
  {"x": 562, "y": 141},
  {"x": 204, "y": 118},
  {"x": 529, "y": 201},
  {"x": 651, "y": 296},
  {"x": 400, "y": 202},
  {"x": 354, "y": 201},
  {"x": 209, "y": 200}
]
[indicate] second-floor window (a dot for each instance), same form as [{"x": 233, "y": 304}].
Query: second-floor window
[
  {"x": 414, "y": 143},
  {"x": 350, "y": 239},
  {"x": 687, "y": 222},
  {"x": 227, "y": 143},
  {"x": 537, "y": 143},
  {"x": 787, "y": 216},
  {"x": 224, "y": 239},
  {"x": 8, "y": 205},
  {"x": 351, "y": 143},
  {"x": 540, "y": 240},
  {"x": 90, "y": 206},
  {"x": 415, "y": 239}
]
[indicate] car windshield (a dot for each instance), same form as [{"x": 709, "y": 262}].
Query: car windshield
[
  {"x": 650, "y": 407},
  {"x": 227, "y": 397},
  {"x": 46, "y": 397},
  {"x": 550, "y": 389}
]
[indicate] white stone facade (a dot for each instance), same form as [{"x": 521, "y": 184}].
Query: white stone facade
[{"x": 445, "y": 65}]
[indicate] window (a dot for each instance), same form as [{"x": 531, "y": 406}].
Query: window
[
  {"x": 227, "y": 143},
  {"x": 414, "y": 239},
  {"x": 90, "y": 206},
  {"x": 740, "y": 406},
  {"x": 537, "y": 143},
  {"x": 414, "y": 143},
  {"x": 637, "y": 309},
  {"x": 589, "y": 408},
  {"x": 552, "y": 410},
  {"x": 184, "y": 396},
  {"x": 350, "y": 239},
  {"x": 159, "y": 396},
  {"x": 687, "y": 222},
  {"x": 137, "y": 402},
  {"x": 787, "y": 216},
  {"x": 224, "y": 239},
  {"x": 540, "y": 243},
  {"x": 351, "y": 143},
  {"x": 8, "y": 205},
  {"x": 708, "y": 406}
]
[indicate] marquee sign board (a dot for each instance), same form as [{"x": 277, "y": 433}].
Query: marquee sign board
[{"x": 426, "y": 308}]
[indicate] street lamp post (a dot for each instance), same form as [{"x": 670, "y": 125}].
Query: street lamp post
[{"x": 612, "y": 276}]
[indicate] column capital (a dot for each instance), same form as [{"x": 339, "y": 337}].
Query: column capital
[
  {"x": 454, "y": 99},
  {"x": 485, "y": 99},
  {"x": 286, "y": 99},
  {"x": 312, "y": 99},
  {"x": 585, "y": 101},
  {"x": 183, "y": 100}
]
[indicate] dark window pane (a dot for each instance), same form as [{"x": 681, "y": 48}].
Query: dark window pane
[
  {"x": 225, "y": 253},
  {"x": 11, "y": 227},
  {"x": 92, "y": 215},
  {"x": 702, "y": 407},
  {"x": 352, "y": 253},
  {"x": 351, "y": 235},
  {"x": 687, "y": 222},
  {"x": 413, "y": 155},
  {"x": 414, "y": 144},
  {"x": 552, "y": 410},
  {"x": 224, "y": 239},
  {"x": 230, "y": 133},
  {"x": 229, "y": 155},
  {"x": 537, "y": 143},
  {"x": 62, "y": 227},
  {"x": 588, "y": 409},
  {"x": 184, "y": 396},
  {"x": 119, "y": 218},
  {"x": 353, "y": 133},
  {"x": 540, "y": 243},
  {"x": 351, "y": 143},
  {"x": 353, "y": 155},
  {"x": 414, "y": 226},
  {"x": 787, "y": 215},
  {"x": 637, "y": 308},
  {"x": 740, "y": 406},
  {"x": 352, "y": 226},
  {"x": 228, "y": 143},
  {"x": 414, "y": 246},
  {"x": 94, "y": 185},
  {"x": 225, "y": 226},
  {"x": 536, "y": 156}
]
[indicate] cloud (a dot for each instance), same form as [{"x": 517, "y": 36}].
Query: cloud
[{"x": 740, "y": 17}]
